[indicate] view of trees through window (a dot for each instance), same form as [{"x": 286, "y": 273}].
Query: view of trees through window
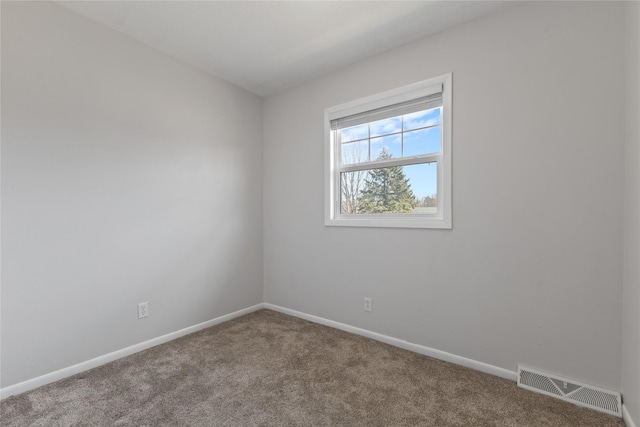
[
  {"x": 385, "y": 190},
  {"x": 409, "y": 188}
]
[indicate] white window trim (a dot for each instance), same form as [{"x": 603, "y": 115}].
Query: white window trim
[{"x": 442, "y": 220}]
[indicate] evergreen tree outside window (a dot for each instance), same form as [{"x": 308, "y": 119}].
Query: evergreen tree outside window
[
  {"x": 387, "y": 190},
  {"x": 389, "y": 158}
]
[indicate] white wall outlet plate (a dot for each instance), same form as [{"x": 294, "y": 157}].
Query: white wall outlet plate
[{"x": 143, "y": 310}]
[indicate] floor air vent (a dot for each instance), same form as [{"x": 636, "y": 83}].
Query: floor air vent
[{"x": 570, "y": 390}]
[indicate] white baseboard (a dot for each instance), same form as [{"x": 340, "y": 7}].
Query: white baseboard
[
  {"x": 626, "y": 417},
  {"x": 417, "y": 348},
  {"x": 110, "y": 357}
]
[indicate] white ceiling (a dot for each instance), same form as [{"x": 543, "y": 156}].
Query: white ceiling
[{"x": 267, "y": 47}]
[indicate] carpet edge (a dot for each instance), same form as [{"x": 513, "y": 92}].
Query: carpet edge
[
  {"x": 118, "y": 354},
  {"x": 406, "y": 345}
]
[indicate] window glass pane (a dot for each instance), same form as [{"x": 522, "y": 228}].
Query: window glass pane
[
  {"x": 354, "y": 152},
  {"x": 386, "y": 147},
  {"x": 351, "y": 184},
  {"x": 424, "y": 183},
  {"x": 421, "y": 119},
  {"x": 424, "y": 141},
  {"x": 386, "y": 126},
  {"x": 354, "y": 133},
  {"x": 399, "y": 189}
]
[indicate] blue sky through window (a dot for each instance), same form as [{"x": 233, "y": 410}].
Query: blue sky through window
[
  {"x": 402, "y": 136},
  {"x": 423, "y": 179}
]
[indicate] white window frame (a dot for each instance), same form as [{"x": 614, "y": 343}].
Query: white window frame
[{"x": 442, "y": 219}]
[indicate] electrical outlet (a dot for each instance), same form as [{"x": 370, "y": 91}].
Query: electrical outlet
[
  {"x": 367, "y": 304},
  {"x": 143, "y": 310}
]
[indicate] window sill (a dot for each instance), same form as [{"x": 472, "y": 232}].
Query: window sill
[{"x": 389, "y": 222}]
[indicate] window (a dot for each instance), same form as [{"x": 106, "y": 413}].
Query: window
[{"x": 388, "y": 158}]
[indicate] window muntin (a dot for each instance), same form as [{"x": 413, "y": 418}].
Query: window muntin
[
  {"x": 389, "y": 158},
  {"x": 401, "y": 136}
]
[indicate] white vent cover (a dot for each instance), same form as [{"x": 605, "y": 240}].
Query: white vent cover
[{"x": 570, "y": 390}]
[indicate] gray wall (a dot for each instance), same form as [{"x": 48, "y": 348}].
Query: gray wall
[
  {"x": 631, "y": 290},
  {"x": 126, "y": 177},
  {"x": 129, "y": 177},
  {"x": 531, "y": 272}
]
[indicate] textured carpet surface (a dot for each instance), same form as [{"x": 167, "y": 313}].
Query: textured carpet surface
[{"x": 269, "y": 369}]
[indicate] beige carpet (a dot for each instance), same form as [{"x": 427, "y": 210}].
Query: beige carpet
[{"x": 269, "y": 369}]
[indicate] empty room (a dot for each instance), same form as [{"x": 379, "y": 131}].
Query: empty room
[{"x": 320, "y": 213}]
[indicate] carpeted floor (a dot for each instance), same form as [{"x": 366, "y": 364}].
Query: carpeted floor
[{"x": 269, "y": 369}]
